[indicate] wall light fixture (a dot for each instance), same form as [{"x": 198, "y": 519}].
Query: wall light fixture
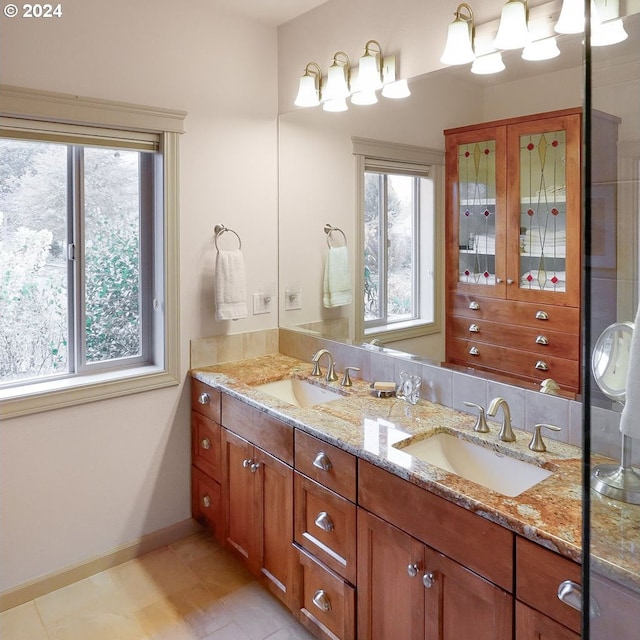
[
  {"x": 459, "y": 46},
  {"x": 606, "y": 24},
  {"x": 571, "y": 19},
  {"x": 490, "y": 63},
  {"x": 513, "y": 32},
  {"x": 310, "y": 88},
  {"x": 543, "y": 49}
]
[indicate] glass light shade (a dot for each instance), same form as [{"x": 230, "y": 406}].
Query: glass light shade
[
  {"x": 544, "y": 49},
  {"x": 571, "y": 19},
  {"x": 459, "y": 48},
  {"x": 396, "y": 90},
  {"x": 307, "y": 92},
  {"x": 491, "y": 63},
  {"x": 513, "y": 32},
  {"x": 335, "y": 104},
  {"x": 364, "y": 97},
  {"x": 369, "y": 73},
  {"x": 336, "y": 87},
  {"x": 608, "y": 33}
]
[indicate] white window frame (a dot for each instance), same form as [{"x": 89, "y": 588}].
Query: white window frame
[
  {"x": 67, "y": 115},
  {"x": 382, "y": 154}
]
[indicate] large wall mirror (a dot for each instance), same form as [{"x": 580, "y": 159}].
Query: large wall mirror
[{"x": 319, "y": 177}]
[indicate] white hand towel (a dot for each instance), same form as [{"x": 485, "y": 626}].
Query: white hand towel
[
  {"x": 337, "y": 281},
  {"x": 231, "y": 286},
  {"x": 630, "y": 418}
]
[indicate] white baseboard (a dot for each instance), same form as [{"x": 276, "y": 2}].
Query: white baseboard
[{"x": 52, "y": 581}]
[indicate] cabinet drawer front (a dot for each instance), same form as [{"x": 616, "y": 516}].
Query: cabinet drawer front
[
  {"x": 557, "y": 318},
  {"x": 273, "y": 436},
  {"x": 326, "y": 464},
  {"x": 488, "y": 548},
  {"x": 539, "y": 572},
  {"x": 531, "y": 624},
  {"x": 520, "y": 363},
  {"x": 205, "y": 498},
  {"x": 205, "y": 444},
  {"x": 325, "y": 525},
  {"x": 205, "y": 400},
  {"x": 327, "y": 603},
  {"x": 535, "y": 339}
]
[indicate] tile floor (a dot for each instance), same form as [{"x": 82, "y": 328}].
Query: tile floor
[{"x": 191, "y": 590}]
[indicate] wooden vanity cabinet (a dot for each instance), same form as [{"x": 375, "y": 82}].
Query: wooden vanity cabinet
[
  {"x": 257, "y": 494},
  {"x": 513, "y": 247}
]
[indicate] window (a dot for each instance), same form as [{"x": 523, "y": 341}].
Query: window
[
  {"x": 88, "y": 306},
  {"x": 399, "y": 228}
]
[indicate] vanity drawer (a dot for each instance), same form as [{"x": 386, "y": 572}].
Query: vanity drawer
[
  {"x": 558, "y": 318},
  {"x": 326, "y": 464},
  {"x": 205, "y": 444},
  {"x": 205, "y": 400},
  {"x": 515, "y": 361},
  {"x": 258, "y": 427},
  {"x": 539, "y": 573},
  {"x": 535, "y": 339},
  {"x": 205, "y": 499},
  {"x": 325, "y": 525},
  {"x": 327, "y": 602}
]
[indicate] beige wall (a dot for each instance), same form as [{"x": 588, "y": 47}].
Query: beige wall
[{"x": 78, "y": 482}]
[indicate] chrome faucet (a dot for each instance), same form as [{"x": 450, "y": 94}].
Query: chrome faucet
[
  {"x": 331, "y": 376},
  {"x": 506, "y": 432}
]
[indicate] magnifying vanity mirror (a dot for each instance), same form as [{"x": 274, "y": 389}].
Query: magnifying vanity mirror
[{"x": 609, "y": 366}]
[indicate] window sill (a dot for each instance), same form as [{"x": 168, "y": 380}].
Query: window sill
[
  {"x": 401, "y": 331},
  {"x": 67, "y": 392}
]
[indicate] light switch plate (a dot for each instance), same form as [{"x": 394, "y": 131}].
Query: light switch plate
[
  {"x": 292, "y": 299},
  {"x": 262, "y": 303}
]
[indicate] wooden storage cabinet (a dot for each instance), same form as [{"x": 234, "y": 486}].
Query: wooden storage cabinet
[
  {"x": 514, "y": 247},
  {"x": 257, "y": 497}
]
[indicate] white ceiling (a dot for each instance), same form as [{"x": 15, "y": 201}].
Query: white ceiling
[{"x": 269, "y": 12}]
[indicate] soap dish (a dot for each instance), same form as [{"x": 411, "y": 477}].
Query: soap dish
[{"x": 377, "y": 393}]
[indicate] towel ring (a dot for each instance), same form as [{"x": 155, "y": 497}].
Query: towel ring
[
  {"x": 219, "y": 229},
  {"x": 329, "y": 229}
]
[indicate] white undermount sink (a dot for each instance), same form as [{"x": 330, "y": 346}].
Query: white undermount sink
[
  {"x": 492, "y": 470},
  {"x": 298, "y": 392}
]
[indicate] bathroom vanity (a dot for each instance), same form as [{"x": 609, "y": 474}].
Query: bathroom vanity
[{"x": 363, "y": 540}]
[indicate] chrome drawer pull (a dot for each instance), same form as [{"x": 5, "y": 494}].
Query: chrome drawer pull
[
  {"x": 474, "y": 351},
  {"x": 254, "y": 467},
  {"x": 322, "y": 461},
  {"x": 542, "y": 340},
  {"x": 474, "y": 306},
  {"x": 541, "y": 365},
  {"x": 542, "y": 315},
  {"x": 412, "y": 570},
  {"x": 205, "y": 443},
  {"x": 428, "y": 579},
  {"x": 474, "y": 328},
  {"x": 323, "y": 521},
  {"x": 206, "y": 503},
  {"x": 247, "y": 463},
  {"x": 321, "y": 600},
  {"x": 509, "y": 280},
  {"x": 570, "y": 593},
  {"x": 204, "y": 398},
  {"x": 498, "y": 280}
]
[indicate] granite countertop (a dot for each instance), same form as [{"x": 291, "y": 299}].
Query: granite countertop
[{"x": 549, "y": 513}]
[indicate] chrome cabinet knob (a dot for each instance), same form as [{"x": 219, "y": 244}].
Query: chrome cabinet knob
[
  {"x": 542, "y": 340},
  {"x": 474, "y": 328},
  {"x": 498, "y": 280},
  {"x": 542, "y": 315},
  {"x": 254, "y": 467},
  {"x": 474, "y": 351},
  {"x": 321, "y": 600},
  {"x": 322, "y": 461},
  {"x": 206, "y": 502},
  {"x": 474, "y": 306},
  {"x": 205, "y": 443},
  {"x": 570, "y": 593},
  {"x": 412, "y": 570},
  {"x": 247, "y": 463},
  {"x": 541, "y": 365},
  {"x": 428, "y": 579},
  {"x": 323, "y": 521},
  {"x": 509, "y": 280},
  {"x": 204, "y": 398}
]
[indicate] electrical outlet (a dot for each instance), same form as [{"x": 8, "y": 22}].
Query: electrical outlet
[
  {"x": 261, "y": 303},
  {"x": 292, "y": 299}
]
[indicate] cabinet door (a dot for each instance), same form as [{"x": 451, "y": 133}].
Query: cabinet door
[
  {"x": 533, "y": 625},
  {"x": 461, "y": 604},
  {"x": 543, "y": 204},
  {"x": 475, "y": 205},
  {"x": 390, "y": 592},
  {"x": 273, "y": 499},
  {"x": 238, "y": 495}
]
